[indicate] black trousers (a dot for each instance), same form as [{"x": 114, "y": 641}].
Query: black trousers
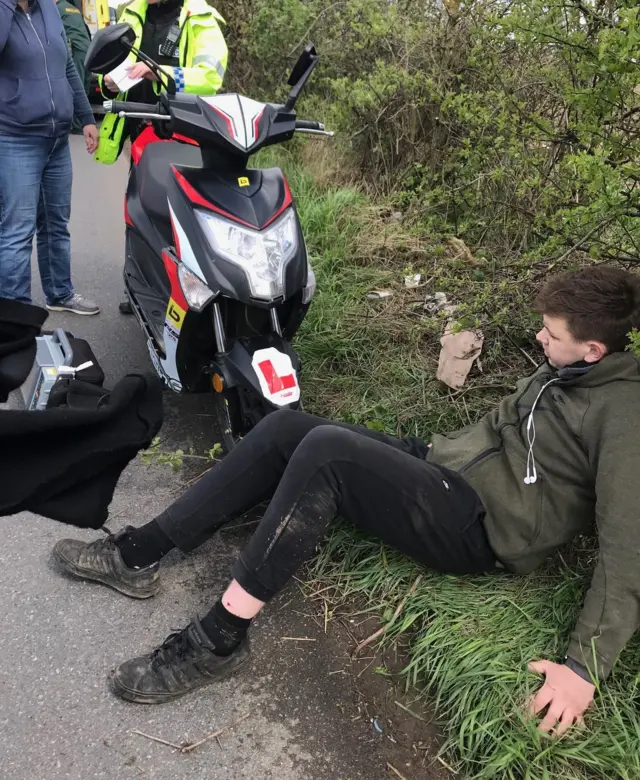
[{"x": 312, "y": 470}]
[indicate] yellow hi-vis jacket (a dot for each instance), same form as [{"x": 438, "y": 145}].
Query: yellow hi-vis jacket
[{"x": 202, "y": 56}]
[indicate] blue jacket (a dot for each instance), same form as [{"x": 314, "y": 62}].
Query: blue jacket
[{"x": 40, "y": 90}]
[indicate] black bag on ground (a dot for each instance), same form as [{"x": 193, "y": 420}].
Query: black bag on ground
[{"x": 82, "y": 353}]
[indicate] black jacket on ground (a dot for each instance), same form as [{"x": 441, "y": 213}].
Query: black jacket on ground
[
  {"x": 20, "y": 323},
  {"x": 64, "y": 462}
]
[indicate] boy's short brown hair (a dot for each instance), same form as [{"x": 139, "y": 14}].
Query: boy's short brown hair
[{"x": 599, "y": 303}]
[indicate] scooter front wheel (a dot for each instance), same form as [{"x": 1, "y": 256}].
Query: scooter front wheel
[
  {"x": 226, "y": 413},
  {"x": 237, "y": 412}
]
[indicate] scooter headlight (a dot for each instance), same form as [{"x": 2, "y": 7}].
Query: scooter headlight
[
  {"x": 262, "y": 254},
  {"x": 196, "y": 292}
]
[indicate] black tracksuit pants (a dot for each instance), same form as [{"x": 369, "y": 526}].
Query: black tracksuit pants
[{"x": 312, "y": 470}]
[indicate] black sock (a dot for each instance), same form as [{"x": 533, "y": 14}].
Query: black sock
[
  {"x": 224, "y": 629},
  {"x": 143, "y": 546}
]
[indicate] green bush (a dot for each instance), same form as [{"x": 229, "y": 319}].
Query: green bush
[{"x": 514, "y": 126}]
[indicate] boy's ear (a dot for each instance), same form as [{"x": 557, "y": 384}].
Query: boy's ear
[{"x": 596, "y": 351}]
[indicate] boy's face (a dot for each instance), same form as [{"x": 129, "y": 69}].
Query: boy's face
[{"x": 560, "y": 347}]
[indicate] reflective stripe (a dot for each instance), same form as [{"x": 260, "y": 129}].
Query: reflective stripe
[
  {"x": 178, "y": 75},
  {"x": 209, "y": 60}
]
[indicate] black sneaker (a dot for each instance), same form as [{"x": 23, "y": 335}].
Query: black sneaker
[
  {"x": 101, "y": 561},
  {"x": 184, "y": 662}
]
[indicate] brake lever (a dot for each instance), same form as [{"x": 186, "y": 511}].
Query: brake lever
[{"x": 327, "y": 133}]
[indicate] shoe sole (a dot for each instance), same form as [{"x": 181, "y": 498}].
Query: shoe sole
[
  {"x": 74, "y": 311},
  {"x": 145, "y": 698},
  {"x": 71, "y": 568}
]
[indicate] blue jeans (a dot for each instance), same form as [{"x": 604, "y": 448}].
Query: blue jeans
[{"x": 35, "y": 194}]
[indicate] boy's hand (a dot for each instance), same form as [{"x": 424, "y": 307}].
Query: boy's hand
[{"x": 565, "y": 693}]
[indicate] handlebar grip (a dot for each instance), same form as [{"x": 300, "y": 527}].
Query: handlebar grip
[
  {"x": 134, "y": 108},
  {"x": 305, "y": 124}
]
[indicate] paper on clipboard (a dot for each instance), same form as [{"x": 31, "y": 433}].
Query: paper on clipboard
[{"x": 121, "y": 76}]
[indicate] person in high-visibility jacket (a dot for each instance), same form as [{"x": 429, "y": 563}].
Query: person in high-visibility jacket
[{"x": 185, "y": 39}]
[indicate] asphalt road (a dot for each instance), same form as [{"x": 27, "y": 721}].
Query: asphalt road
[{"x": 60, "y": 637}]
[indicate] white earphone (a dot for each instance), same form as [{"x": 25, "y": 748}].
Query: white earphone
[{"x": 532, "y": 474}]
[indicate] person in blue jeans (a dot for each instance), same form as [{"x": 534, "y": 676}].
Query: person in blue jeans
[{"x": 40, "y": 92}]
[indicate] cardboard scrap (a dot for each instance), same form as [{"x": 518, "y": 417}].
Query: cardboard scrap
[{"x": 459, "y": 351}]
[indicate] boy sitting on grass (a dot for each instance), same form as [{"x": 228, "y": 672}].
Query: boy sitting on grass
[{"x": 554, "y": 459}]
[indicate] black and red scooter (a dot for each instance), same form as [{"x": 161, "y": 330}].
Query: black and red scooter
[{"x": 216, "y": 268}]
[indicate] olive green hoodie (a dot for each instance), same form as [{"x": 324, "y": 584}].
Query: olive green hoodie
[{"x": 574, "y": 436}]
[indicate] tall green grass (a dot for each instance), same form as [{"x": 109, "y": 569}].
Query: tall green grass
[{"x": 467, "y": 639}]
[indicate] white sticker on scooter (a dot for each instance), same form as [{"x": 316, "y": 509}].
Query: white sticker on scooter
[
  {"x": 277, "y": 376},
  {"x": 184, "y": 251}
]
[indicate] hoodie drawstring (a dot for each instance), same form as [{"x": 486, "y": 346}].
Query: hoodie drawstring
[
  {"x": 532, "y": 475},
  {"x": 44, "y": 24},
  {"x": 19, "y": 12}
]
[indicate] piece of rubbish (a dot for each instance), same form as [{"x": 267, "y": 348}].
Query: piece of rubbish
[
  {"x": 460, "y": 348},
  {"x": 377, "y": 726},
  {"x": 379, "y": 295},
  {"x": 412, "y": 281},
  {"x": 462, "y": 251},
  {"x": 434, "y": 304}
]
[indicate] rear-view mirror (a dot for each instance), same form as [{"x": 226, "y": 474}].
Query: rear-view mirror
[
  {"x": 109, "y": 48},
  {"x": 307, "y": 57},
  {"x": 300, "y": 74}
]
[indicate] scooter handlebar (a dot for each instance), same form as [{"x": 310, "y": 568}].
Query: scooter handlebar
[
  {"x": 305, "y": 124},
  {"x": 127, "y": 107}
]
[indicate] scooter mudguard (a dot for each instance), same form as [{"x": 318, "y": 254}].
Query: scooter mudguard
[{"x": 268, "y": 367}]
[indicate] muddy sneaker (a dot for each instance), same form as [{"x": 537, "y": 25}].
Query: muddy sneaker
[
  {"x": 101, "y": 561},
  {"x": 76, "y": 305},
  {"x": 184, "y": 662}
]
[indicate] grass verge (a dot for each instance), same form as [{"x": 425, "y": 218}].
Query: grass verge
[{"x": 468, "y": 639}]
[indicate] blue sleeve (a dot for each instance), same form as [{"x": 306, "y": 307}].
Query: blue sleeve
[
  {"x": 81, "y": 106},
  {"x": 7, "y": 9}
]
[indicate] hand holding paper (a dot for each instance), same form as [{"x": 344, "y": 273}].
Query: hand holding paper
[{"x": 122, "y": 78}]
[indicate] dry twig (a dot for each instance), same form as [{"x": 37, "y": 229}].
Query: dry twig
[
  {"x": 382, "y": 629},
  {"x": 215, "y": 735},
  {"x": 395, "y": 771},
  {"x": 446, "y": 766},
  {"x": 297, "y": 639},
  {"x": 157, "y": 739}
]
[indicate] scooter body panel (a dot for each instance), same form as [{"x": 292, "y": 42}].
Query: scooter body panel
[{"x": 182, "y": 342}]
